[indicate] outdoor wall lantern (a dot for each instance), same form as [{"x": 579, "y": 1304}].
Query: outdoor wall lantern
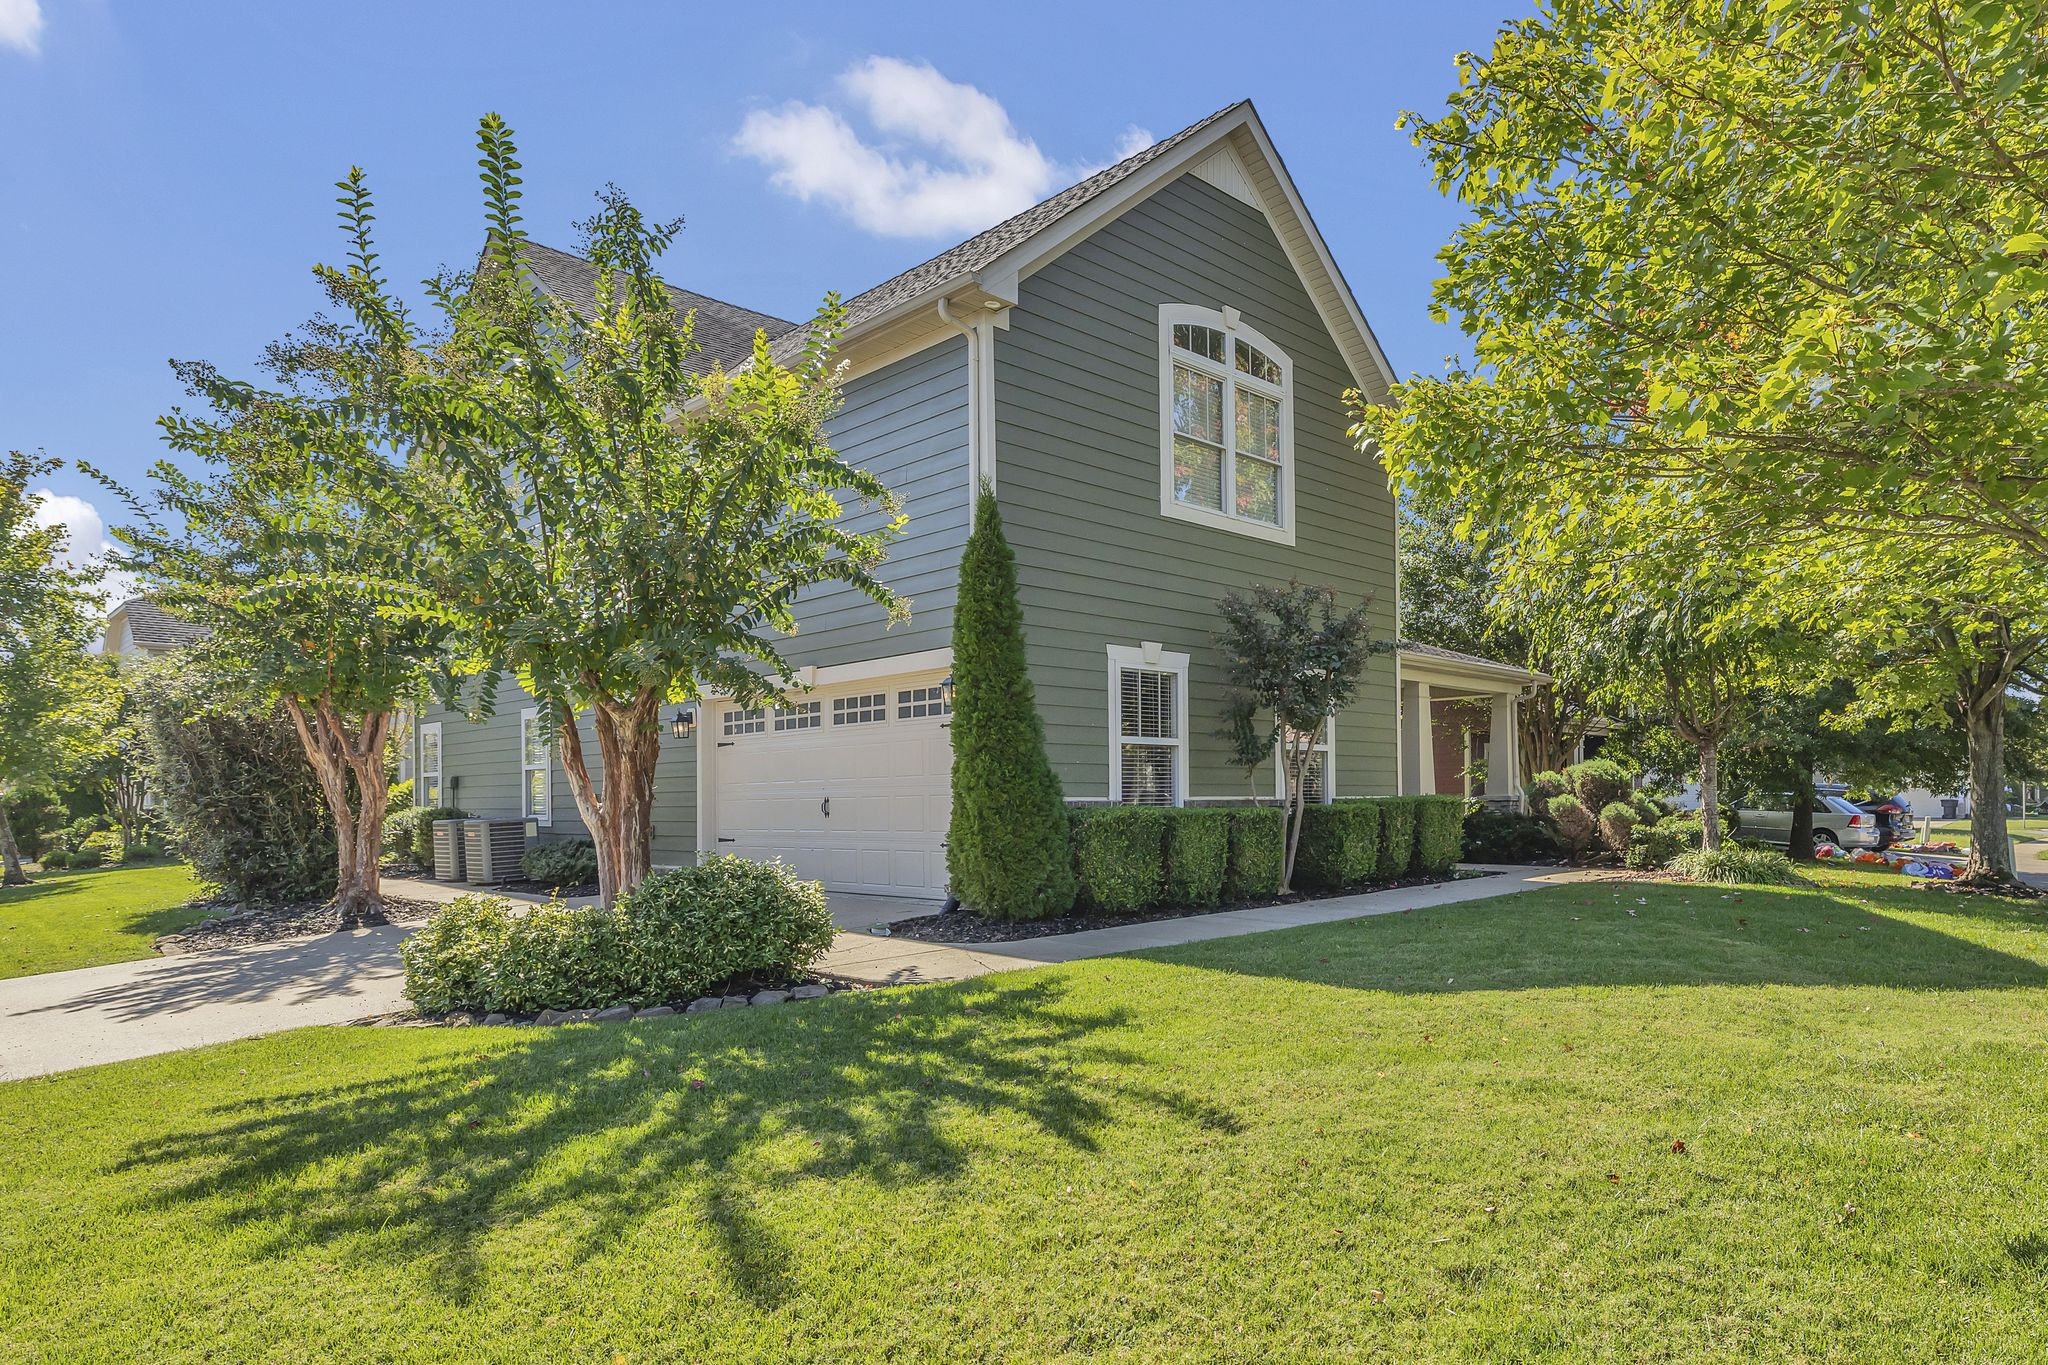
[
  {"x": 685, "y": 723},
  {"x": 946, "y": 691}
]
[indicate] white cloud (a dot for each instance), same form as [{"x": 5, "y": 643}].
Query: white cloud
[
  {"x": 87, "y": 543},
  {"x": 943, "y": 157},
  {"x": 21, "y": 25}
]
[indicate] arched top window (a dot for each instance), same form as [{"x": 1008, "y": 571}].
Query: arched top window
[{"x": 1227, "y": 423}]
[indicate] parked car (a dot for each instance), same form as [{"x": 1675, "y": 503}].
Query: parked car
[
  {"x": 1895, "y": 824},
  {"x": 1836, "y": 820}
]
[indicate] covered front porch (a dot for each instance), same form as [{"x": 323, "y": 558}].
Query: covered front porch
[{"x": 1460, "y": 724}]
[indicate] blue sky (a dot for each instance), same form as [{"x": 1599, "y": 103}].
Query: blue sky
[{"x": 165, "y": 169}]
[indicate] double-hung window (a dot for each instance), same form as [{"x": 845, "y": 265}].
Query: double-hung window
[
  {"x": 535, "y": 797},
  {"x": 1315, "y": 778},
  {"x": 1227, "y": 420},
  {"x": 427, "y": 789},
  {"x": 1148, "y": 718}
]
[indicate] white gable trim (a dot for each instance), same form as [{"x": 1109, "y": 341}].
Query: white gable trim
[
  {"x": 1241, "y": 133},
  {"x": 1222, "y": 169}
]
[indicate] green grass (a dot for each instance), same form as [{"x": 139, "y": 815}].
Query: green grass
[
  {"x": 1442, "y": 1135},
  {"x": 62, "y": 920},
  {"x": 1958, "y": 831}
]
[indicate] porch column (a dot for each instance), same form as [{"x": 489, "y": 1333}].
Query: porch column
[
  {"x": 1503, "y": 749},
  {"x": 1418, "y": 740},
  {"x": 1410, "y": 727}
]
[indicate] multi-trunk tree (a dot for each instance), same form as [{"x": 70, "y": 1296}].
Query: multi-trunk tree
[
  {"x": 56, "y": 700},
  {"x": 597, "y": 514},
  {"x": 300, "y": 576}
]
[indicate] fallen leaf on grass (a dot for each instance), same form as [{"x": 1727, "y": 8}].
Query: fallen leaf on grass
[
  {"x": 1613, "y": 1179},
  {"x": 1678, "y": 1146}
]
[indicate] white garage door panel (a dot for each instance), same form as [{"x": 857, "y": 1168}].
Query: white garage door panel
[{"x": 887, "y": 783}]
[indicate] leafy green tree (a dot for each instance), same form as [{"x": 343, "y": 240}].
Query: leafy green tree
[
  {"x": 1454, "y": 594},
  {"x": 281, "y": 548},
  {"x": 1007, "y": 850},
  {"x": 614, "y": 526},
  {"x": 1780, "y": 264},
  {"x": 55, "y": 699},
  {"x": 230, "y": 781},
  {"x": 1297, "y": 660}
]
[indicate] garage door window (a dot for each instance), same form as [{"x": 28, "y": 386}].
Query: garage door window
[
  {"x": 1148, "y": 726},
  {"x": 915, "y": 703},
  {"x": 805, "y": 715},
  {"x": 862, "y": 710},
  {"x": 751, "y": 721}
]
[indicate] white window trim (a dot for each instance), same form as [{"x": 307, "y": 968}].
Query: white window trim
[
  {"x": 440, "y": 793},
  {"x": 1326, "y": 746},
  {"x": 1152, "y": 659},
  {"x": 1232, "y": 326},
  {"x": 546, "y": 815}
]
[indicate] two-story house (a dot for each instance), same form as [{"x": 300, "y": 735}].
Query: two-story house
[{"x": 1149, "y": 368}]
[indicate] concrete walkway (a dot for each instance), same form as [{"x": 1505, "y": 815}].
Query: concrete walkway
[
  {"x": 874, "y": 961},
  {"x": 61, "y": 1020}
]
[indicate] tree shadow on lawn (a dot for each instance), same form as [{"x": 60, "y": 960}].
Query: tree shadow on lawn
[
  {"x": 610, "y": 1125},
  {"x": 1653, "y": 934}
]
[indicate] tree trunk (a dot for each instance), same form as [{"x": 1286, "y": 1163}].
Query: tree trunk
[
  {"x": 1803, "y": 796},
  {"x": 336, "y": 755},
  {"x": 620, "y": 817},
  {"x": 1990, "y": 858},
  {"x": 10, "y": 856},
  {"x": 1710, "y": 795}
]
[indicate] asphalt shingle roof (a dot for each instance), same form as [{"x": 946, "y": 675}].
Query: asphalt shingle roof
[
  {"x": 726, "y": 331},
  {"x": 151, "y": 627},
  {"x": 1457, "y": 656}
]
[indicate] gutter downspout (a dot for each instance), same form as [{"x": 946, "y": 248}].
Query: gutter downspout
[{"x": 979, "y": 393}]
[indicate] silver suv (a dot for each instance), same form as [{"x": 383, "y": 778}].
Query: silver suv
[{"x": 1836, "y": 820}]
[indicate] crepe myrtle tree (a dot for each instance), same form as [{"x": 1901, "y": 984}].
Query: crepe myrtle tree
[
  {"x": 56, "y": 700},
  {"x": 1292, "y": 660},
  {"x": 597, "y": 517},
  {"x": 280, "y": 546}
]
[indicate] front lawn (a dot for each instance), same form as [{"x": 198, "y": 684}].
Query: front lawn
[
  {"x": 1623, "y": 1121},
  {"x": 62, "y": 920}
]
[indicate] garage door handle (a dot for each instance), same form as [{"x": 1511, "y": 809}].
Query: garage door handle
[
  {"x": 723, "y": 840},
  {"x": 825, "y": 807}
]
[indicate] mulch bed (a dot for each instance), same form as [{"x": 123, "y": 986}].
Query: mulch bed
[
  {"x": 964, "y": 926},
  {"x": 234, "y": 926}
]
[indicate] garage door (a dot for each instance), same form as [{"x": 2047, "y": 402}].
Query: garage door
[{"x": 849, "y": 785}]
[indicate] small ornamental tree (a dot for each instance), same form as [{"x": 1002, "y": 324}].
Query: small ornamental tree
[
  {"x": 1296, "y": 659},
  {"x": 55, "y": 699},
  {"x": 279, "y": 547},
  {"x": 1007, "y": 852},
  {"x": 598, "y": 514}
]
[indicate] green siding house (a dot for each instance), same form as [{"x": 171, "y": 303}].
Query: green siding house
[{"x": 1149, "y": 368}]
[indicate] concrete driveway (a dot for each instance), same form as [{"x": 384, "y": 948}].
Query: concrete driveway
[{"x": 62, "y": 1020}]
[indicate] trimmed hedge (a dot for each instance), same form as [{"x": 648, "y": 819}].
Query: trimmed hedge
[
  {"x": 568, "y": 862},
  {"x": 1130, "y": 859},
  {"x": 410, "y": 833},
  {"x": 1119, "y": 857},
  {"x": 1197, "y": 857},
  {"x": 1397, "y": 835},
  {"x": 1256, "y": 855},
  {"x": 671, "y": 937},
  {"x": 1340, "y": 845},
  {"x": 1439, "y": 834}
]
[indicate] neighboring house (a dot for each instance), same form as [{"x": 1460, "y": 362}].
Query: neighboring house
[
  {"x": 140, "y": 629},
  {"x": 1150, "y": 369}
]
